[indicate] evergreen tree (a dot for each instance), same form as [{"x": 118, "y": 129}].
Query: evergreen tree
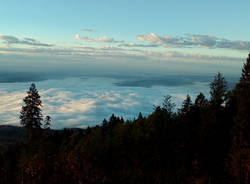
[
  {"x": 239, "y": 162},
  {"x": 140, "y": 117},
  {"x": 242, "y": 121},
  {"x": 187, "y": 104},
  {"x": 218, "y": 90},
  {"x": 31, "y": 115},
  {"x": 245, "y": 77},
  {"x": 167, "y": 105},
  {"x": 200, "y": 101},
  {"x": 47, "y": 122}
]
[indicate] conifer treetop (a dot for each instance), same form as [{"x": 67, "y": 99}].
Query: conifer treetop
[
  {"x": 31, "y": 115},
  {"x": 245, "y": 77}
]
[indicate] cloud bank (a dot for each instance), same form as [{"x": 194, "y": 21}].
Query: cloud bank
[
  {"x": 81, "y": 102},
  {"x": 103, "y": 39},
  {"x": 117, "y": 53},
  {"x": 138, "y": 45},
  {"x": 169, "y": 41},
  {"x": 106, "y": 48},
  {"x": 194, "y": 40},
  {"x": 10, "y": 40}
]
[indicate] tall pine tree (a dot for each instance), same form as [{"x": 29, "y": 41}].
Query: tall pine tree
[
  {"x": 47, "y": 122},
  {"x": 186, "y": 105},
  {"x": 245, "y": 77},
  {"x": 200, "y": 101},
  {"x": 218, "y": 90},
  {"x": 31, "y": 116},
  {"x": 239, "y": 162}
]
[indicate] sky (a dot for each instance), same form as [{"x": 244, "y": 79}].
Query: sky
[
  {"x": 126, "y": 27},
  {"x": 132, "y": 45}
]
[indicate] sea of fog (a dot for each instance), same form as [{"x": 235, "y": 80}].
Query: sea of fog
[{"x": 81, "y": 101}]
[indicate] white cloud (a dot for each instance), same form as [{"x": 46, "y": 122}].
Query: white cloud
[
  {"x": 127, "y": 103},
  {"x": 137, "y": 45},
  {"x": 76, "y": 106},
  {"x": 25, "y": 41},
  {"x": 122, "y": 51},
  {"x": 195, "y": 40},
  {"x": 103, "y": 39},
  {"x": 113, "y": 53}
]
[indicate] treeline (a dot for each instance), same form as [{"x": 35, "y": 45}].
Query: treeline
[{"x": 206, "y": 141}]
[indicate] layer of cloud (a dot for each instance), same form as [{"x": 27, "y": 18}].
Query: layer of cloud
[
  {"x": 103, "y": 39},
  {"x": 10, "y": 40},
  {"x": 76, "y": 102},
  {"x": 195, "y": 40},
  {"x": 118, "y": 52},
  {"x": 138, "y": 45},
  {"x": 129, "y": 50}
]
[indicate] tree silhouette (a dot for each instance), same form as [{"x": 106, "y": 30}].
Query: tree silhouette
[
  {"x": 240, "y": 148},
  {"x": 218, "y": 90},
  {"x": 186, "y": 105},
  {"x": 47, "y": 122},
  {"x": 167, "y": 105},
  {"x": 200, "y": 101},
  {"x": 245, "y": 77},
  {"x": 140, "y": 117},
  {"x": 31, "y": 115}
]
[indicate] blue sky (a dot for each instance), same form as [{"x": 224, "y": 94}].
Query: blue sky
[
  {"x": 125, "y": 18},
  {"x": 108, "y": 30}
]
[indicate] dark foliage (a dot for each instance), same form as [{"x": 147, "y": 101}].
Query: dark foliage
[
  {"x": 31, "y": 116},
  {"x": 205, "y": 141}
]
